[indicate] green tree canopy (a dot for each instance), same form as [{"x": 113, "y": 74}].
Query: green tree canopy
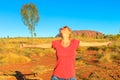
[{"x": 30, "y": 17}]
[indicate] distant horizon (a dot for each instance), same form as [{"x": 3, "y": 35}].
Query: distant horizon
[
  {"x": 102, "y": 16},
  {"x": 50, "y": 36}
]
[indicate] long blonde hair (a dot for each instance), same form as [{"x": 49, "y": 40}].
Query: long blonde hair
[{"x": 71, "y": 33}]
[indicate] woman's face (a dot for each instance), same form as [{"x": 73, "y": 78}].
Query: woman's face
[{"x": 65, "y": 31}]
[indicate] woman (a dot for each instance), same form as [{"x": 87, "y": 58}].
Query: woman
[{"x": 65, "y": 53}]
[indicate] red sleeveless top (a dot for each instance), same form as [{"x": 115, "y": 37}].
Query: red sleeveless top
[{"x": 65, "y": 66}]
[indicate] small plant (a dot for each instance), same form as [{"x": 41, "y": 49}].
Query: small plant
[
  {"x": 80, "y": 63},
  {"x": 4, "y": 77},
  {"x": 12, "y": 58},
  {"x": 41, "y": 69},
  {"x": 93, "y": 48},
  {"x": 106, "y": 58},
  {"x": 81, "y": 49},
  {"x": 115, "y": 55}
]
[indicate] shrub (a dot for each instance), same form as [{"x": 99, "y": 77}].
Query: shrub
[
  {"x": 41, "y": 69},
  {"x": 80, "y": 63},
  {"x": 93, "y": 48},
  {"x": 81, "y": 49},
  {"x": 115, "y": 55},
  {"x": 12, "y": 58},
  {"x": 106, "y": 58},
  {"x": 4, "y": 77}
]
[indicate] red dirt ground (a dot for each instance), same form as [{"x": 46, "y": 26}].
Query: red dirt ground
[
  {"x": 26, "y": 68},
  {"x": 92, "y": 72}
]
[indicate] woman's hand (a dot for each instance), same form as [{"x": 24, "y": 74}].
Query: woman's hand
[
  {"x": 108, "y": 43},
  {"x": 22, "y": 45}
]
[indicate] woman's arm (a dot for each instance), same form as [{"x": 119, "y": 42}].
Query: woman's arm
[
  {"x": 94, "y": 43},
  {"x": 45, "y": 45}
]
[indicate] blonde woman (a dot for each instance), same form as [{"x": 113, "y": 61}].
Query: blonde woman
[{"x": 65, "y": 53}]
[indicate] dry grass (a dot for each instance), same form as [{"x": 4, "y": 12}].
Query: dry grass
[
  {"x": 11, "y": 53},
  {"x": 12, "y": 58},
  {"x": 106, "y": 58},
  {"x": 10, "y": 49},
  {"x": 4, "y": 77},
  {"x": 41, "y": 69}
]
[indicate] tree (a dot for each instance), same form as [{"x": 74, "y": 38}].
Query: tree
[{"x": 30, "y": 17}]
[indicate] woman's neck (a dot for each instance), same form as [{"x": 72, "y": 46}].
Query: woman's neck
[
  {"x": 65, "y": 39},
  {"x": 65, "y": 42}
]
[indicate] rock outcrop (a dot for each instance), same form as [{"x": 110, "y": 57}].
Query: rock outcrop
[{"x": 86, "y": 33}]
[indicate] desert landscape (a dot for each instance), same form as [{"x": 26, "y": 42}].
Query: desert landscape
[
  {"x": 43, "y": 21},
  {"x": 92, "y": 63}
]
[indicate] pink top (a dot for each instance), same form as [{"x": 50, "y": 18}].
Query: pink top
[{"x": 65, "y": 66}]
